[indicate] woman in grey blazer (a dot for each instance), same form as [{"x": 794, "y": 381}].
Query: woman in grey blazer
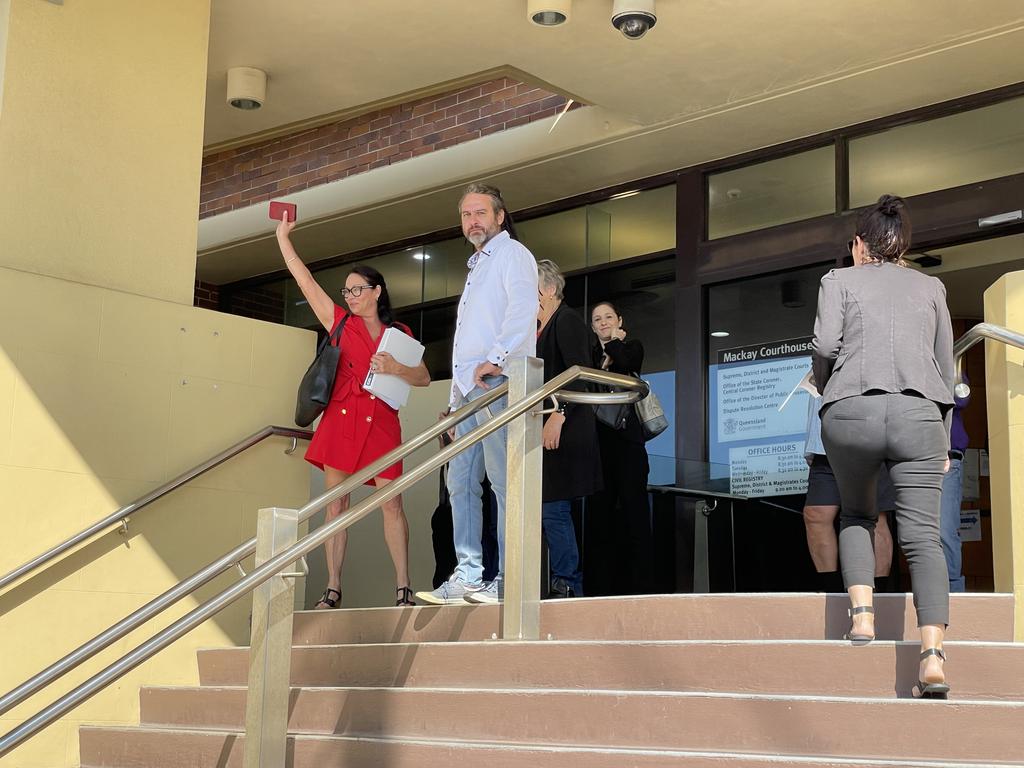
[{"x": 883, "y": 360}]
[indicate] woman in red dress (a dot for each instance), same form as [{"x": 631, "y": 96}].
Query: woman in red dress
[{"x": 357, "y": 428}]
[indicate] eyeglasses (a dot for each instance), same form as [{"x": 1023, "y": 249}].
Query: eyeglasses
[{"x": 355, "y": 290}]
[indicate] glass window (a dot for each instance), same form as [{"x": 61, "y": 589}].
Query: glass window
[
  {"x": 631, "y": 224},
  {"x": 985, "y": 143},
  {"x": 561, "y": 237},
  {"x": 791, "y": 188},
  {"x": 758, "y": 351},
  {"x": 445, "y": 268},
  {"x": 402, "y": 271}
]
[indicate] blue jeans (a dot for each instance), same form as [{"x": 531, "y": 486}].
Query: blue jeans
[
  {"x": 561, "y": 538},
  {"x": 949, "y": 524},
  {"x": 465, "y": 476}
]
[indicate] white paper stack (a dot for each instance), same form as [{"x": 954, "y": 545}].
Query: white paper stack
[{"x": 392, "y": 389}]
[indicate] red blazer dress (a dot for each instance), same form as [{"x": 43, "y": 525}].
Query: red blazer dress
[{"x": 356, "y": 428}]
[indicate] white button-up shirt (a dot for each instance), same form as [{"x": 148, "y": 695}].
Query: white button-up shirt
[{"x": 497, "y": 319}]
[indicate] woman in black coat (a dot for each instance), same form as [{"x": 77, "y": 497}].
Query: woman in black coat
[
  {"x": 572, "y": 465},
  {"x": 619, "y": 567}
]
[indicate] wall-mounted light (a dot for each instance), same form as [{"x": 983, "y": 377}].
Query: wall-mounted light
[
  {"x": 719, "y": 334},
  {"x": 247, "y": 87},
  {"x": 421, "y": 256},
  {"x": 548, "y": 13}
]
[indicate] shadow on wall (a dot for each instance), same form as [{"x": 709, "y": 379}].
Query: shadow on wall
[{"x": 105, "y": 396}]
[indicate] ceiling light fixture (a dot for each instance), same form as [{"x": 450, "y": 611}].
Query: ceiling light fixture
[
  {"x": 719, "y": 334},
  {"x": 421, "y": 256},
  {"x": 548, "y": 13},
  {"x": 247, "y": 88},
  {"x": 621, "y": 195}
]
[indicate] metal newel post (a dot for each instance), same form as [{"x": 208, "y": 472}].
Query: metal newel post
[
  {"x": 270, "y": 653},
  {"x": 523, "y": 507}
]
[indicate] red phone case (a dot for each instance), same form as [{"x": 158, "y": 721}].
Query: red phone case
[{"x": 277, "y": 209}]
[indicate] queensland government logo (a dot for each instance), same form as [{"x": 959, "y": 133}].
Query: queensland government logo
[{"x": 729, "y": 426}]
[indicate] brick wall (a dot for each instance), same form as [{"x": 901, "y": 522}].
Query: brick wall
[
  {"x": 207, "y": 295},
  {"x": 260, "y": 303},
  {"x": 240, "y": 177}
]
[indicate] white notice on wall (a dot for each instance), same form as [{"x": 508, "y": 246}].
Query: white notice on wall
[
  {"x": 983, "y": 469},
  {"x": 749, "y": 398},
  {"x": 970, "y": 525},
  {"x": 768, "y": 470}
]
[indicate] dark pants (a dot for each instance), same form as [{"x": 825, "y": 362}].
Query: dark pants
[
  {"x": 618, "y": 546},
  {"x": 561, "y": 537},
  {"x": 907, "y": 434}
]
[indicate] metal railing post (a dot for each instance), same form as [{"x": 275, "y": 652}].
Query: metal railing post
[
  {"x": 521, "y": 619},
  {"x": 270, "y": 646}
]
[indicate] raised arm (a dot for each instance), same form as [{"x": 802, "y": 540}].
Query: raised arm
[{"x": 317, "y": 297}]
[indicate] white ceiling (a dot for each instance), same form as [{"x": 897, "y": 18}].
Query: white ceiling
[{"x": 712, "y": 79}]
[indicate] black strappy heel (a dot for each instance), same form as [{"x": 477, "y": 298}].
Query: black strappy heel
[
  {"x": 933, "y": 690},
  {"x": 853, "y": 637},
  {"x": 404, "y": 596},
  {"x": 327, "y": 600}
]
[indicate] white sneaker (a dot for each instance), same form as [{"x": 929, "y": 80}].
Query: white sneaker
[
  {"x": 493, "y": 592},
  {"x": 451, "y": 592}
]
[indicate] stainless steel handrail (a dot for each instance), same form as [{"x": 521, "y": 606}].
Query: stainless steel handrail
[
  {"x": 227, "y": 561},
  {"x": 118, "y": 515},
  {"x": 978, "y": 333},
  {"x": 636, "y": 390}
]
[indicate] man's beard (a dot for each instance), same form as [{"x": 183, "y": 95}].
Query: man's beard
[{"x": 477, "y": 238}]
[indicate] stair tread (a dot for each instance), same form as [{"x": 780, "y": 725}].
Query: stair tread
[
  {"x": 769, "y": 758},
  {"x": 611, "y": 692}
]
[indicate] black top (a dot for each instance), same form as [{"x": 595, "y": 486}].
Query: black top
[
  {"x": 627, "y": 357},
  {"x": 574, "y": 468}
]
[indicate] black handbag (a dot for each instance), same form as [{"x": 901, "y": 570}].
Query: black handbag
[
  {"x": 613, "y": 415},
  {"x": 318, "y": 381}
]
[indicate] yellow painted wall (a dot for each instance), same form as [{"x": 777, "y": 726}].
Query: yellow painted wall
[
  {"x": 1004, "y": 377},
  {"x": 111, "y": 383},
  {"x": 101, "y": 142},
  {"x": 104, "y": 396},
  {"x": 5, "y": 12}
]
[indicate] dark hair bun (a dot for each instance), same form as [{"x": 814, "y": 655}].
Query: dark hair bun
[{"x": 890, "y": 205}]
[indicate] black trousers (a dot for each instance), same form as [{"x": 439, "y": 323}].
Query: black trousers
[
  {"x": 618, "y": 547},
  {"x": 907, "y": 434}
]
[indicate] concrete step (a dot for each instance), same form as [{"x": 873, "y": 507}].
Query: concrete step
[
  {"x": 783, "y": 616},
  {"x": 832, "y": 668},
  {"x": 147, "y": 747},
  {"x": 811, "y": 726}
]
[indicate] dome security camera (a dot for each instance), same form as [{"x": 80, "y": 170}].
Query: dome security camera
[{"x": 633, "y": 17}]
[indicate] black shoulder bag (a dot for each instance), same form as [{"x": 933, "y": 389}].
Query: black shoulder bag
[{"x": 318, "y": 382}]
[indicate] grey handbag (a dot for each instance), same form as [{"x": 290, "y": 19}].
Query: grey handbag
[{"x": 651, "y": 416}]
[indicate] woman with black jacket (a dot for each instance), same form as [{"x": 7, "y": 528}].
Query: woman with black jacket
[
  {"x": 624, "y": 502},
  {"x": 572, "y": 465}
]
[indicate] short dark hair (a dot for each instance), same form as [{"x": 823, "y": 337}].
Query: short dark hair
[
  {"x": 606, "y": 304},
  {"x": 497, "y": 203},
  {"x": 885, "y": 229},
  {"x": 376, "y": 279}
]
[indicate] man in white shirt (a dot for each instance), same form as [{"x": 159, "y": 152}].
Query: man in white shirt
[{"x": 497, "y": 322}]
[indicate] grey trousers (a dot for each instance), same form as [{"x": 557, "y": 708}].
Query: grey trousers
[{"x": 905, "y": 433}]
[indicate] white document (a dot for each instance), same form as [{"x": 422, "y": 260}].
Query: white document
[
  {"x": 392, "y": 389},
  {"x": 806, "y": 384}
]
